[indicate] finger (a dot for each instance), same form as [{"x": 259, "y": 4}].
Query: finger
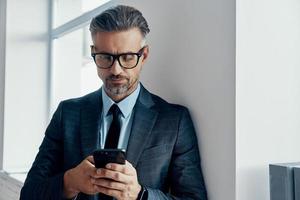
[
  {"x": 125, "y": 169},
  {"x": 90, "y": 159},
  {"x": 114, "y": 175},
  {"x": 130, "y": 167},
  {"x": 128, "y": 163},
  {"x": 90, "y": 167},
  {"x": 107, "y": 183},
  {"x": 110, "y": 192}
]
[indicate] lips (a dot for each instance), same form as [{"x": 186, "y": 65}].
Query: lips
[{"x": 116, "y": 79}]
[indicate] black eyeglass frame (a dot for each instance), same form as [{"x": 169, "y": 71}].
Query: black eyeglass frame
[{"x": 117, "y": 57}]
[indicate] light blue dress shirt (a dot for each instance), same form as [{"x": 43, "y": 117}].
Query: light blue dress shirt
[{"x": 126, "y": 107}]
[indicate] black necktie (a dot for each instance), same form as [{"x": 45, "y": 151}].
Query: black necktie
[
  {"x": 112, "y": 137},
  {"x": 113, "y": 133}
]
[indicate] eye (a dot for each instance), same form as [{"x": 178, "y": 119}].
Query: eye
[
  {"x": 128, "y": 57},
  {"x": 104, "y": 57}
]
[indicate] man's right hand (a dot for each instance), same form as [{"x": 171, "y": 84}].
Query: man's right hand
[{"x": 78, "y": 179}]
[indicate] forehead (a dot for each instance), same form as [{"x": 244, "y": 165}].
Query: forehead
[{"x": 118, "y": 41}]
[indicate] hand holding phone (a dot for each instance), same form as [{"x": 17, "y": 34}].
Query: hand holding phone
[{"x": 104, "y": 156}]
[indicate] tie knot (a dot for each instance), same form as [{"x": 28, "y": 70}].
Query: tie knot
[{"x": 114, "y": 110}]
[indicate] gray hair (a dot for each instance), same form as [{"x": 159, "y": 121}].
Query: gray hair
[{"x": 119, "y": 18}]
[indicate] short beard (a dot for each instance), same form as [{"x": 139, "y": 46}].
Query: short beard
[{"x": 119, "y": 90}]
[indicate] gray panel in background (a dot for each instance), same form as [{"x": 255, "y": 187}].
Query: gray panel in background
[
  {"x": 282, "y": 181},
  {"x": 297, "y": 182}
]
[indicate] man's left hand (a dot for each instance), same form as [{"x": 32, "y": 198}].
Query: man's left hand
[{"x": 118, "y": 181}]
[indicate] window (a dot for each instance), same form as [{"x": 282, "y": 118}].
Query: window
[
  {"x": 74, "y": 72},
  {"x": 66, "y": 10},
  {"x": 71, "y": 73}
]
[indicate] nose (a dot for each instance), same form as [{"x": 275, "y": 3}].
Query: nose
[{"x": 116, "y": 69}]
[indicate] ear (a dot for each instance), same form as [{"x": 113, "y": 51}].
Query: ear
[{"x": 145, "y": 54}]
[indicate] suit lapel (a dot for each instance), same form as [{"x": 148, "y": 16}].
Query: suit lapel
[
  {"x": 90, "y": 123},
  {"x": 143, "y": 122}
]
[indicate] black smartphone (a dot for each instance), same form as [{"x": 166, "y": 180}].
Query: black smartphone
[{"x": 105, "y": 156}]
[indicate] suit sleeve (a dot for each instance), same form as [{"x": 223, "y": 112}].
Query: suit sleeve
[
  {"x": 185, "y": 169},
  {"x": 45, "y": 178}
]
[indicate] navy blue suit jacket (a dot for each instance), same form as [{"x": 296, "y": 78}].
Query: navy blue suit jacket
[{"x": 162, "y": 147}]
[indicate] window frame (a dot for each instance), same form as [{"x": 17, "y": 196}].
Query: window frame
[
  {"x": 55, "y": 33},
  {"x": 3, "y": 13}
]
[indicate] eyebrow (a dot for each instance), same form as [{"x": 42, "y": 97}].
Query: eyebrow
[{"x": 105, "y": 52}]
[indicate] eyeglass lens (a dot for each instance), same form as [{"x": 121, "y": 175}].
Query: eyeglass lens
[{"x": 125, "y": 60}]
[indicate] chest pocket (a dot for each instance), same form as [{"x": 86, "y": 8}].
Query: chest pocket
[{"x": 155, "y": 152}]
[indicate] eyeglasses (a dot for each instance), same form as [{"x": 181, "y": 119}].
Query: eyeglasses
[{"x": 126, "y": 60}]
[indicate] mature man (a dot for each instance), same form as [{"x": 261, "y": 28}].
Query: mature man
[{"x": 162, "y": 156}]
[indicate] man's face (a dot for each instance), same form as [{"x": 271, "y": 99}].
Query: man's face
[{"x": 119, "y": 82}]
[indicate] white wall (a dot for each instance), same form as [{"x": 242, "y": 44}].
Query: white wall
[
  {"x": 192, "y": 62},
  {"x": 268, "y": 91},
  {"x": 26, "y": 70}
]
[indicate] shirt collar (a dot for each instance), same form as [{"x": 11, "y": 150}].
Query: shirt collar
[{"x": 125, "y": 106}]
